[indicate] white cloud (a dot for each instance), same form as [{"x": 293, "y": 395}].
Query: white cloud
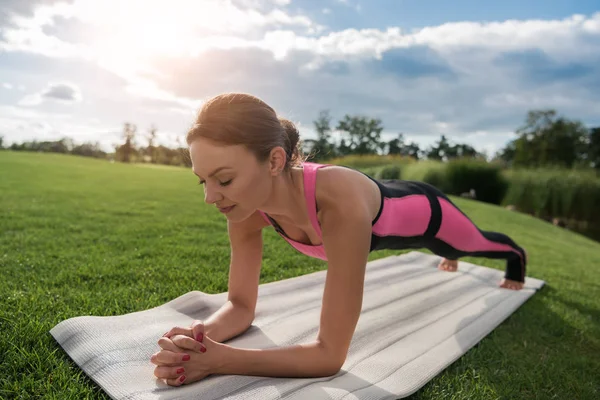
[
  {"x": 145, "y": 88},
  {"x": 7, "y": 86},
  {"x": 175, "y": 59},
  {"x": 63, "y": 92},
  {"x": 558, "y": 38},
  {"x": 31, "y": 100},
  {"x": 170, "y": 28}
]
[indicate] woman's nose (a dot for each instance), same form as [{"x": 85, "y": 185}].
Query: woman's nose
[{"x": 211, "y": 196}]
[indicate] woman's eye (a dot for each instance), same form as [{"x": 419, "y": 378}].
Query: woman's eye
[{"x": 201, "y": 182}]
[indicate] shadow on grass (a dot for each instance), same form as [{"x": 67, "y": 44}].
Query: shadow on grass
[{"x": 535, "y": 353}]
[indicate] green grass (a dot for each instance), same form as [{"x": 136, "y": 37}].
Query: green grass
[{"x": 87, "y": 237}]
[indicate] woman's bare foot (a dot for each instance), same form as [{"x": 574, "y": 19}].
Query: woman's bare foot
[
  {"x": 513, "y": 285},
  {"x": 448, "y": 265}
]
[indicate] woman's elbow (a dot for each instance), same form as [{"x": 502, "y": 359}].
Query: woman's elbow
[
  {"x": 332, "y": 364},
  {"x": 330, "y": 369},
  {"x": 334, "y": 369}
]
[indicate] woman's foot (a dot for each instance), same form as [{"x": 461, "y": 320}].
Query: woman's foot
[
  {"x": 513, "y": 285},
  {"x": 448, "y": 265}
]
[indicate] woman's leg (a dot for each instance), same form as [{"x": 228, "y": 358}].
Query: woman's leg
[{"x": 458, "y": 236}]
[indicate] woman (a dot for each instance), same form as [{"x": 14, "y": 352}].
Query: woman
[{"x": 248, "y": 160}]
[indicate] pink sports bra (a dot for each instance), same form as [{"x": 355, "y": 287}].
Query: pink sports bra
[{"x": 310, "y": 181}]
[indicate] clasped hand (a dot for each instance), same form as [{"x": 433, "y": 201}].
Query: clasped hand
[{"x": 187, "y": 355}]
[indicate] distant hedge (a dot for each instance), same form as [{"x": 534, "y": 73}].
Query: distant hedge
[
  {"x": 555, "y": 193},
  {"x": 432, "y": 172},
  {"x": 546, "y": 193},
  {"x": 486, "y": 178},
  {"x": 370, "y": 161}
]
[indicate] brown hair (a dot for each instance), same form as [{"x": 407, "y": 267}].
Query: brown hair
[{"x": 243, "y": 119}]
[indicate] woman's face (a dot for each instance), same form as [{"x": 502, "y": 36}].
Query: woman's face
[{"x": 233, "y": 179}]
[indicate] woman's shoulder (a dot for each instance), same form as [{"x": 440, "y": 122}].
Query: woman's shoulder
[{"x": 343, "y": 187}]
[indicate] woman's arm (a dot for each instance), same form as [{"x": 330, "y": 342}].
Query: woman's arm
[
  {"x": 300, "y": 361},
  {"x": 237, "y": 314},
  {"x": 228, "y": 321},
  {"x": 346, "y": 227}
]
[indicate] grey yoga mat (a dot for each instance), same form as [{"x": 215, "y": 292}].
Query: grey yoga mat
[{"x": 416, "y": 320}]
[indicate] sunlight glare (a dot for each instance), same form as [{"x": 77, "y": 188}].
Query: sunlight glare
[{"x": 139, "y": 28}]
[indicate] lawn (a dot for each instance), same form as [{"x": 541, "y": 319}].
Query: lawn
[{"x": 87, "y": 237}]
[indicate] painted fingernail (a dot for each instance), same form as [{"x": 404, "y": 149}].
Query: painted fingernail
[
  {"x": 203, "y": 349},
  {"x": 186, "y": 357},
  {"x": 200, "y": 337},
  {"x": 182, "y": 378},
  {"x": 180, "y": 371}
]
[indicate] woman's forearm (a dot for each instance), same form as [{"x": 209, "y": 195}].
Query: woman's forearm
[
  {"x": 227, "y": 322},
  {"x": 308, "y": 360}
]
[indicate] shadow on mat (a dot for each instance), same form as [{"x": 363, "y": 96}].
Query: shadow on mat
[{"x": 529, "y": 355}]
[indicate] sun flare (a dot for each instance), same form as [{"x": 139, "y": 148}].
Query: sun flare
[{"x": 148, "y": 28}]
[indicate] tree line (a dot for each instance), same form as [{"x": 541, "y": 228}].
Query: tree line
[{"x": 545, "y": 139}]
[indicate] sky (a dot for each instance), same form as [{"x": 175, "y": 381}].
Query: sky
[{"x": 466, "y": 69}]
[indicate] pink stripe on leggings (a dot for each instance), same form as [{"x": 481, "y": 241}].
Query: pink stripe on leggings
[
  {"x": 403, "y": 216},
  {"x": 460, "y": 233}
]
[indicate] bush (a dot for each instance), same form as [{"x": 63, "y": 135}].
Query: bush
[
  {"x": 390, "y": 172},
  {"x": 486, "y": 178},
  {"x": 555, "y": 193},
  {"x": 363, "y": 162},
  {"x": 432, "y": 172}
]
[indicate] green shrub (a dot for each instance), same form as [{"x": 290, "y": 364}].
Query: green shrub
[
  {"x": 371, "y": 171},
  {"x": 432, "y": 172},
  {"x": 485, "y": 178},
  {"x": 371, "y": 160},
  {"x": 561, "y": 193},
  {"x": 390, "y": 172}
]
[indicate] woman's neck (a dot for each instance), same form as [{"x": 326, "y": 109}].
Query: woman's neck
[{"x": 287, "y": 197}]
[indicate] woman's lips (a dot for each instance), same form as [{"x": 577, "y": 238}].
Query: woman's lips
[{"x": 225, "y": 210}]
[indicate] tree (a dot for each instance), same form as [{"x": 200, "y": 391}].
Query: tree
[
  {"x": 364, "y": 134},
  {"x": 413, "y": 150},
  {"x": 322, "y": 148},
  {"x": 125, "y": 151},
  {"x": 443, "y": 150},
  {"x": 395, "y": 146},
  {"x": 398, "y": 146},
  {"x": 439, "y": 150},
  {"x": 546, "y": 139},
  {"x": 507, "y": 154},
  {"x": 593, "y": 150},
  {"x": 464, "y": 150},
  {"x": 151, "y": 150}
]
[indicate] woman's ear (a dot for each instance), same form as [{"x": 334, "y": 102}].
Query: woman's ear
[{"x": 277, "y": 160}]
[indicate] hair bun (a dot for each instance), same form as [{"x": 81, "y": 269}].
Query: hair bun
[{"x": 293, "y": 139}]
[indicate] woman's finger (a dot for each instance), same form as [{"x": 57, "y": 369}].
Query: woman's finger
[
  {"x": 173, "y": 372},
  {"x": 169, "y": 358},
  {"x": 179, "y": 330},
  {"x": 198, "y": 330},
  {"x": 176, "y": 382},
  {"x": 187, "y": 343},
  {"x": 167, "y": 343}
]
